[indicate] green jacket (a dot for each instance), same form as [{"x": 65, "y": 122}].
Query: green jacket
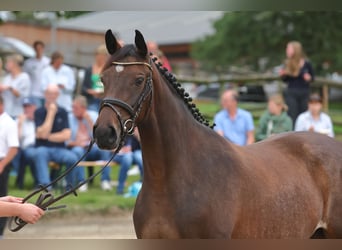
[{"x": 273, "y": 124}]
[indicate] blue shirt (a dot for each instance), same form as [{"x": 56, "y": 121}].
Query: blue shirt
[
  {"x": 234, "y": 130},
  {"x": 59, "y": 123},
  {"x": 73, "y": 122}
]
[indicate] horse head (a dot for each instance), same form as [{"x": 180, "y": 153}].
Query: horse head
[{"x": 127, "y": 80}]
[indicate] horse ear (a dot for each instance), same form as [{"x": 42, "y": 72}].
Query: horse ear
[
  {"x": 111, "y": 42},
  {"x": 140, "y": 43}
]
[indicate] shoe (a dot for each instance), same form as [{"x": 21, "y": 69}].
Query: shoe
[
  {"x": 134, "y": 170},
  {"x": 105, "y": 185},
  {"x": 83, "y": 188}
]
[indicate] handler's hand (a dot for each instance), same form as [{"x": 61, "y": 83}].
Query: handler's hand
[{"x": 30, "y": 213}]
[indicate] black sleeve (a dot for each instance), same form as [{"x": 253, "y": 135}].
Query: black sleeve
[
  {"x": 285, "y": 78},
  {"x": 65, "y": 118},
  {"x": 310, "y": 71},
  {"x": 87, "y": 82},
  {"x": 39, "y": 117}
]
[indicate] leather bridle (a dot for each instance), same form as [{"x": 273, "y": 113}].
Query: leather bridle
[{"x": 127, "y": 126}]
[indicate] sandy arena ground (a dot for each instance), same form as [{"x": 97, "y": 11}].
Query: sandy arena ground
[{"x": 118, "y": 226}]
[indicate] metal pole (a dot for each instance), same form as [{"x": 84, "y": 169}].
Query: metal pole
[{"x": 53, "y": 34}]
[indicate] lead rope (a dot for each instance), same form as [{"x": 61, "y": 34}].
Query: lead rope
[{"x": 46, "y": 198}]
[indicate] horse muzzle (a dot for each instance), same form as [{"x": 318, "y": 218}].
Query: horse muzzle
[{"x": 105, "y": 136}]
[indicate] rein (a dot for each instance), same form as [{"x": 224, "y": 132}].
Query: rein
[{"x": 46, "y": 198}]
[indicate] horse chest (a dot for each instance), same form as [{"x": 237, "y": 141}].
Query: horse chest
[
  {"x": 158, "y": 217},
  {"x": 154, "y": 219}
]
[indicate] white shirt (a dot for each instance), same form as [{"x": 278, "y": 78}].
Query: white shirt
[
  {"x": 28, "y": 134},
  {"x": 64, "y": 76},
  {"x": 322, "y": 125},
  {"x": 34, "y": 67},
  {"x": 8, "y": 134},
  {"x": 21, "y": 83}
]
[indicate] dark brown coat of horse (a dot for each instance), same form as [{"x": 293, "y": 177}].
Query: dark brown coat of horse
[{"x": 197, "y": 184}]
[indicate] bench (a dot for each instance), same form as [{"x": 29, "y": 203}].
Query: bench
[
  {"x": 97, "y": 164},
  {"x": 55, "y": 166},
  {"x": 132, "y": 171}
]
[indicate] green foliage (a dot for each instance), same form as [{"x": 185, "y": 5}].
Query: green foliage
[
  {"x": 243, "y": 38},
  {"x": 71, "y": 14}
]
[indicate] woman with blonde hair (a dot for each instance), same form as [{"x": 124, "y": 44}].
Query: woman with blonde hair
[
  {"x": 298, "y": 74},
  {"x": 275, "y": 119},
  {"x": 92, "y": 87}
]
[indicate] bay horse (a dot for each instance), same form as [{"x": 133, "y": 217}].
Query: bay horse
[{"x": 197, "y": 184}]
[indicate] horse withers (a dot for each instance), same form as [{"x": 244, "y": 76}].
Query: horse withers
[{"x": 196, "y": 184}]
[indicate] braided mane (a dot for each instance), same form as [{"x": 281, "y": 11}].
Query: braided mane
[{"x": 181, "y": 92}]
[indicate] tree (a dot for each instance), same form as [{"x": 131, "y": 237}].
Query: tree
[{"x": 244, "y": 38}]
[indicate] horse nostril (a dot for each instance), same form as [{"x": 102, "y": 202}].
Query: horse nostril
[
  {"x": 112, "y": 137},
  {"x": 105, "y": 136}
]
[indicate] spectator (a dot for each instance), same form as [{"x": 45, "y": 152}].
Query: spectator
[
  {"x": 9, "y": 144},
  {"x": 13, "y": 206},
  {"x": 92, "y": 87},
  {"x": 16, "y": 85},
  {"x": 61, "y": 75},
  {"x": 233, "y": 123},
  {"x": 298, "y": 74},
  {"x": 125, "y": 159},
  {"x": 129, "y": 155},
  {"x": 275, "y": 120},
  {"x": 137, "y": 154},
  {"x": 34, "y": 67},
  {"x": 154, "y": 49},
  {"x": 52, "y": 131},
  {"x": 81, "y": 123},
  {"x": 314, "y": 119},
  {"x": 27, "y": 139}
]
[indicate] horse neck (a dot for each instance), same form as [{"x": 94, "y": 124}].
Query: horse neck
[{"x": 164, "y": 129}]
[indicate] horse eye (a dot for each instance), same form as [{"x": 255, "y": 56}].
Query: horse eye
[{"x": 139, "y": 80}]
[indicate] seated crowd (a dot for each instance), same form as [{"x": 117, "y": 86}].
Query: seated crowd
[{"x": 236, "y": 124}]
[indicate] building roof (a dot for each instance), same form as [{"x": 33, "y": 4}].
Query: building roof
[
  {"x": 163, "y": 27},
  {"x": 9, "y": 45}
]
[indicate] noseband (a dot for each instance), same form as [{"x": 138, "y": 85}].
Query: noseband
[{"x": 127, "y": 126}]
